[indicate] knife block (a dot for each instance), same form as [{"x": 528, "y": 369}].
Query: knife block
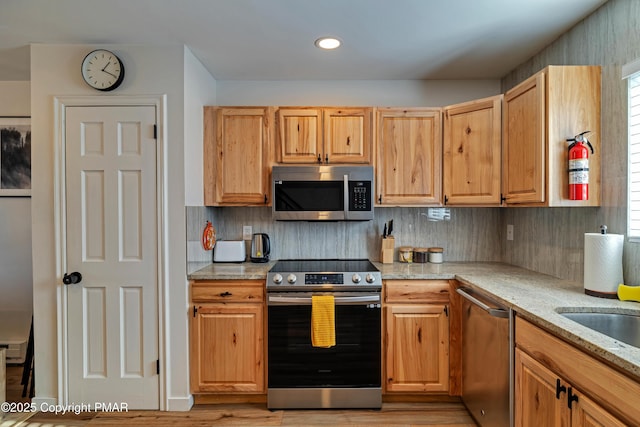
[{"x": 386, "y": 250}]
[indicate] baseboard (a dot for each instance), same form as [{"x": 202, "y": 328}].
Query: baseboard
[
  {"x": 181, "y": 404},
  {"x": 47, "y": 401},
  {"x": 222, "y": 398}
]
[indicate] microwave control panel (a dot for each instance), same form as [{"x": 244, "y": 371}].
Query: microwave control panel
[{"x": 360, "y": 195}]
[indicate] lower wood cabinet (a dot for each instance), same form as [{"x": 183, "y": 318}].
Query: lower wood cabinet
[
  {"x": 227, "y": 337},
  {"x": 416, "y": 336},
  {"x": 558, "y": 385}
]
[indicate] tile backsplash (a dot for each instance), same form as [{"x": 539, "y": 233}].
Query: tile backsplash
[{"x": 469, "y": 235}]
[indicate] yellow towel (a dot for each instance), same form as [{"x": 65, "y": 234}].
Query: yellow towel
[
  {"x": 628, "y": 293},
  {"x": 323, "y": 326}
]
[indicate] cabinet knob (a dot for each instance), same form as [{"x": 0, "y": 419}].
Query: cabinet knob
[{"x": 319, "y": 158}]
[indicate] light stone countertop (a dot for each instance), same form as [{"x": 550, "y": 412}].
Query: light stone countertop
[
  {"x": 534, "y": 296},
  {"x": 228, "y": 270}
]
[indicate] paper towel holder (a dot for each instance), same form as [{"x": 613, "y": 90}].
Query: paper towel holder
[{"x": 603, "y": 259}]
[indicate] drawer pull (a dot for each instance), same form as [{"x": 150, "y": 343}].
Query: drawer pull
[
  {"x": 226, "y": 294},
  {"x": 559, "y": 389}
]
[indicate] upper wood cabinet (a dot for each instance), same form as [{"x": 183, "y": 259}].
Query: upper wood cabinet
[
  {"x": 237, "y": 155},
  {"x": 539, "y": 115},
  {"x": 324, "y": 135},
  {"x": 409, "y": 156},
  {"x": 472, "y": 144}
]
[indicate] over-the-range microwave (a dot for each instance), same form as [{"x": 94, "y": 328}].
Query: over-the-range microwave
[{"x": 322, "y": 193}]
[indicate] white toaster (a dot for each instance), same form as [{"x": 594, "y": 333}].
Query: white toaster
[{"x": 229, "y": 251}]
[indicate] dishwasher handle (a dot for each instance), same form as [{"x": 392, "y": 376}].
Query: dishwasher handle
[{"x": 495, "y": 312}]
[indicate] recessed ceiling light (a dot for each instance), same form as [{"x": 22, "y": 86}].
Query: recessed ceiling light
[{"x": 327, "y": 43}]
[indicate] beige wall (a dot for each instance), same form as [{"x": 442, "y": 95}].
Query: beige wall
[
  {"x": 552, "y": 240},
  {"x": 54, "y": 73},
  {"x": 15, "y": 221}
]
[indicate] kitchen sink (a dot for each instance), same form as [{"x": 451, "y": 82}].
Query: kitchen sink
[{"x": 622, "y": 327}]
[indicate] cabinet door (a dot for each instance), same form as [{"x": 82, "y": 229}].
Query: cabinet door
[
  {"x": 227, "y": 348},
  {"x": 417, "y": 348},
  {"x": 347, "y": 135},
  {"x": 535, "y": 389},
  {"x": 409, "y": 159},
  {"x": 472, "y": 152},
  {"x": 524, "y": 142},
  {"x": 586, "y": 413},
  {"x": 300, "y": 135},
  {"x": 237, "y": 169}
]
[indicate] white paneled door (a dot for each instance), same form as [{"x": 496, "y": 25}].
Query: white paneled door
[{"x": 112, "y": 241}]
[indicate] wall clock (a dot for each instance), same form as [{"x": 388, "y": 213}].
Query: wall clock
[{"x": 102, "y": 70}]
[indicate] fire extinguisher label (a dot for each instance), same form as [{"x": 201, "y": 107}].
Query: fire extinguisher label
[
  {"x": 581, "y": 177},
  {"x": 579, "y": 171},
  {"x": 578, "y": 164}
]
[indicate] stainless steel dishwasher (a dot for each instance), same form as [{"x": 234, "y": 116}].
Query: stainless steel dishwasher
[{"x": 487, "y": 359}]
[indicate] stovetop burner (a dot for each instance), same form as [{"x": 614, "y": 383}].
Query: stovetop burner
[{"x": 324, "y": 274}]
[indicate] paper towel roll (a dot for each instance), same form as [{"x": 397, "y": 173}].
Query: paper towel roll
[{"x": 602, "y": 264}]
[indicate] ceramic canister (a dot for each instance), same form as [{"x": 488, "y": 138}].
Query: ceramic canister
[{"x": 436, "y": 255}]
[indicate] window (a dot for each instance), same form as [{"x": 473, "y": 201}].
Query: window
[{"x": 632, "y": 73}]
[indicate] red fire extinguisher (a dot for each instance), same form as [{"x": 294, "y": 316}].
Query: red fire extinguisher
[{"x": 579, "y": 167}]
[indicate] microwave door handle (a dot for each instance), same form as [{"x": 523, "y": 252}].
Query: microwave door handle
[{"x": 346, "y": 197}]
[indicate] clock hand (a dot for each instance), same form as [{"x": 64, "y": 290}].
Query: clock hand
[
  {"x": 105, "y": 67},
  {"x": 111, "y": 74}
]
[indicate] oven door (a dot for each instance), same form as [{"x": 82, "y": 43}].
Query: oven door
[{"x": 355, "y": 360}]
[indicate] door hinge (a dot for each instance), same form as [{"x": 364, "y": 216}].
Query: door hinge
[
  {"x": 155, "y": 131},
  {"x": 158, "y": 366},
  {"x": 195, "y": 310}
]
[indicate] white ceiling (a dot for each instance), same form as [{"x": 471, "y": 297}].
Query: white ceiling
[{"x": 273, "y": 39}]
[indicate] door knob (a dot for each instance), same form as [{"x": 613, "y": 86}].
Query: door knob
[{"x": 72, "y": 279}]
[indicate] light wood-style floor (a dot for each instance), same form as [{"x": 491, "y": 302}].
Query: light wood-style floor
[{"x": 435, "y": 414}]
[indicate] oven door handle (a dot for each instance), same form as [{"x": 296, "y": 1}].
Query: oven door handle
[{"x": 285, "y": 300}]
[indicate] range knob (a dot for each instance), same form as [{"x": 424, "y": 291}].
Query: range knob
[
  {"x": 277, "y": 278},
  {"x": 370, "y": 278},
  {"x": 356, "y": 278},
  {"x": 291, "y": 279}
]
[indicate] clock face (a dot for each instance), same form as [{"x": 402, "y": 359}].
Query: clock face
[{"x": 102, "y": 70}]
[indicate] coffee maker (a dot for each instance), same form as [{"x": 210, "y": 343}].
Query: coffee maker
[{"x": 260, "y": 247}]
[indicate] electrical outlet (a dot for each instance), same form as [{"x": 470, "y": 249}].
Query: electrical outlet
[
  {"x": 509, "y": 232},
  {"x": 247, "y": 232}
]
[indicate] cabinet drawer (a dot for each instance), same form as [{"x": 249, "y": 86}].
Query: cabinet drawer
[
  {"x": 416, "y": 291},
  {"x": 227, "y": 291}
]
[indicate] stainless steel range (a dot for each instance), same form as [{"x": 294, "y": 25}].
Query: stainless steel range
[{"x": 347, "y": 375}]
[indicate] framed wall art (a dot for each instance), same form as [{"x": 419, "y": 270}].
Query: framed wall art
[{"x": 15, "y": 156}]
